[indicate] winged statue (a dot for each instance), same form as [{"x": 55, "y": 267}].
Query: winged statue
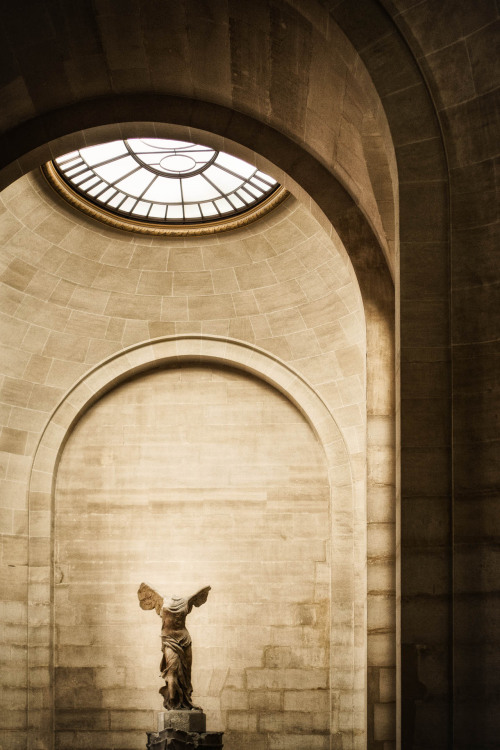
[{"x": 175, "y": 666}]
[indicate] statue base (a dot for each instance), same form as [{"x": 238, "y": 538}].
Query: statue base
[
  {"x": 193, "y": 720},
  {"x": 182, "y": 730},
  {"x": 176, "y": 739}
]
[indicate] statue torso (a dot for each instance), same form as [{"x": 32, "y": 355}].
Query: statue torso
[{"x": 173, "y": 617}]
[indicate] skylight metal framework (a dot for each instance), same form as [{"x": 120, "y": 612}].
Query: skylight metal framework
[{"x": 164, "y": 181}]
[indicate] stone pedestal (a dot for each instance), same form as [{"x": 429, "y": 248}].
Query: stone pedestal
[
  {"x": 182, "y": 730},
  {"x": 186, "y": 721}
]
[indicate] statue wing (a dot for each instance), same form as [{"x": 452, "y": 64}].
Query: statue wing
[
  {"x": 149, "y": 598},
  {"x": 199, "y": 598}
]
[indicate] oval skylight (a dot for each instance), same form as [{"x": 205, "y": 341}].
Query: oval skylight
[{"x": 163, "y": 181}]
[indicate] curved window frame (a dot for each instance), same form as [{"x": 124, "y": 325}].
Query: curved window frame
[{"x": 97, "y": 185}]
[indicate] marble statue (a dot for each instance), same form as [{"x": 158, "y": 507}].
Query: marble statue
[{"x": 175, "y": 665}]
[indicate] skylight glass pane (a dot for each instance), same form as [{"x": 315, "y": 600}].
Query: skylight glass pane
[
  {"x": 142, "y": 208},
  {"x": 157, "y": 211},
  {"x": 237, "y": 202},
  {"x": 97, "y": 189},
  {"x": 252, "y": 189},
  {"x": 97, "y": 154},
  {"x": 165, "y": 179},
  {"x": 208, "y": 209},
  {"x": 223, "y": 180},
  {"x": 136, "y": 183},
  {"x": 128, "y": 204},
  {"x": 76, "y": 170},
  {"x": 171, "y": 157},
  {"x": 68, "y": 163},
  {"x": 175, "y": 212},
  {"x": 164, "y": 190},
  {"x": 260, "y": 184},
  {"x": 82, "y": 176},
  {"x": 117, "y": 169},
  {"x": 115, "y": 202},
  {"x": 192, "y": 211},
  {"x": 235, "y": 165},
  {"x": 246, "y": 196},
  {"x": 104, "y": 197},
  {"x": 88, "y": 184},
  {"x": 198, "y": 189},
  {"x": 223, "y": 205}
]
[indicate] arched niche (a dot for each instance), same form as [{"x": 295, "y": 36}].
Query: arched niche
[
  {"x": 367, "y": 265},
  {"x": 304, "y": 167},
  {"x": 363, "y": 255},
  {"x": 187, "y": 475},
  {"x": 347, "y": 519},
  {"x": 422, "y": 173}
]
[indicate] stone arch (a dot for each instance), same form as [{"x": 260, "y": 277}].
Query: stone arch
[
  {"x": 341, "y": 218},
  {"x": 314, "y": 181},
  {"x": 329, "y": 201},
  {"x": 347, "y": 521}
]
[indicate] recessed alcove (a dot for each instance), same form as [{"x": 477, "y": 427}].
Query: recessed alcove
[
  {"x": 186, "y": 476},
  {"x": 303, "y": 301},
  {"x": 278, "y": 297}
]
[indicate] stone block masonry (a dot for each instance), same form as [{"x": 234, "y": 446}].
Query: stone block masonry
[{"x": 186, "y": 476}]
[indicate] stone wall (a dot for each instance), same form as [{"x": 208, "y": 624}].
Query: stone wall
[
  {"x": 185, "y": 477},
  {"x": 76, "y": 293}
]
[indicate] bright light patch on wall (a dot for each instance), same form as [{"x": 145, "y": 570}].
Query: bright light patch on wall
[{"x": 165, "y": 181}]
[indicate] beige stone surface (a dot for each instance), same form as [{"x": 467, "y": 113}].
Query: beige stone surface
[
  {"x": 429, "y": 73},
  {"x": 174, "y": 478},
  {"x": 45, "y": 465},
  {"x": 71, "y": 319}
]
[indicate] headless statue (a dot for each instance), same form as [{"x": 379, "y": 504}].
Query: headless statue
[{"x": 176, "y": 660}]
